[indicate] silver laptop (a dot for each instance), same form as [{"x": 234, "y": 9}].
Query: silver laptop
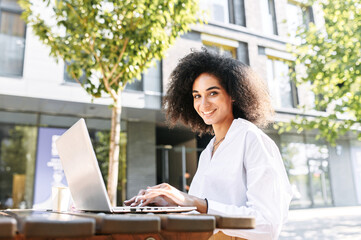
[{"x": 84, "y": 177}]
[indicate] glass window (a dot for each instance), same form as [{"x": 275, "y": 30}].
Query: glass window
[
  {"x": 293, "y": 151},
  {"x": 242, "y": 53},
  {"x": 221, "y": 49},
  {"x": 217, "y": 9},
  {"x": 70, "y": 79},
  {"x": 12, "y": 40},
  {"x": 10, "y": 4},
  {"x": 17, "y": 160},
  {"x": 100, "y": 141},
  {"x": 320, "y": 187},
  {"x": 282, "y": 90},
  {"x": 135, "y": 85},
  {"x": 237, "y": 13},
  {"x": 152, "y": 78},
  {"x": 238, "y": 50},
  {"x": 150, "y": 81},
  {"x": 269, "y": 20},
  {"x": 297, "y": 16},
  {"x": 307, "y": 166}
]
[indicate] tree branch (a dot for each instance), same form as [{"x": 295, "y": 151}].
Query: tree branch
[
  {"x": 112, "y": 93},
  {"x": 140, "y": 66},
  {"x": 75, "y": 12},
  {"x": 116, "y": 78},
  {"x": 119, "y": 57},
  {"x": 73, "y": 75}
]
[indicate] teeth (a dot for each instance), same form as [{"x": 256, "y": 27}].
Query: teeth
[{"x": 208, "y": 112}]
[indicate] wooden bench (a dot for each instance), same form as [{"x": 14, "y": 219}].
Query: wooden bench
[{"x": 41, "y": 225}]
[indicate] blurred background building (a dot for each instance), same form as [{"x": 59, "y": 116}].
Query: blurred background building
[{"x": 39, "y": 101}]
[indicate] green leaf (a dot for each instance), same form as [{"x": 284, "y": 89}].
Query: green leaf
[{"x": 332, "y": 58}]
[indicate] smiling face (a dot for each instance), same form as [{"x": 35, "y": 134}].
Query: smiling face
[{"x": 211, "y": 101}]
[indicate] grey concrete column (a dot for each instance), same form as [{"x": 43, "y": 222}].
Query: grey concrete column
[
  {"x": 343, "y": 189},
  {"x": 141, "y": 157}
]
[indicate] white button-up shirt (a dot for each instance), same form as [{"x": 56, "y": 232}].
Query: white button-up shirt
[{"x": 245, "y": 176}]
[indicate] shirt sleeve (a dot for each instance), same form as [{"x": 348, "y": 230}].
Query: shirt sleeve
[{"x": 268, "y": 190}]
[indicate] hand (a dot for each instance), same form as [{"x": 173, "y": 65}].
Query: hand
[
  {"x": 165, "y": 195},
  {"x": 138, "y": 201}
]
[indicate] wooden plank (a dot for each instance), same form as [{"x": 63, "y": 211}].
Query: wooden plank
[
  {"x": 182, "y": 227},
  {"x": 36, "y": 225},
  {"x": 113, "y": 224},
  {"x": 186, "y": 235},
  {"x": 187, "y": 223},
  {"x": 221, "y": 236},
  {"x": 7, "y": 227},
  {"x": 41, "y": 224},
  {"x": 235, "y": 222},
  {"x": 123, "y": 223}
]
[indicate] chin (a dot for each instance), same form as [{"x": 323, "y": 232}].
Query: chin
[{"x": 208, "y": 122}]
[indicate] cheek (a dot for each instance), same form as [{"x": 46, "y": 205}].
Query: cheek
[{"x": 196, "y": 106}]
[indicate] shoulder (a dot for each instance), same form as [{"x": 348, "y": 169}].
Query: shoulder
[
  {"x": 254, "y": 138},
  {"x": 248, "y": 130}
]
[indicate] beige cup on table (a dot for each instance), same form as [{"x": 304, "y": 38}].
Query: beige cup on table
[{"x": 60, "y": 198}]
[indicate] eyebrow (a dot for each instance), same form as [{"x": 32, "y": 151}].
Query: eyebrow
[{"x": 208, "y": 89}]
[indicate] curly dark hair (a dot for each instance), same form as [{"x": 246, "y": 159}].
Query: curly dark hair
[{"x": 249, "y": 92}]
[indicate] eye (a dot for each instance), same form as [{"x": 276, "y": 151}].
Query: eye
[
  {"x": 196, "y": 96},
  {"x": 213, "y": 93}
]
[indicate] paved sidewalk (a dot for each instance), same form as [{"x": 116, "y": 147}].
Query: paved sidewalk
[{"x": 341, "y": 223}]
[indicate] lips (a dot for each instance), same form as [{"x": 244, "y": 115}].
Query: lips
[{"x": 208, "y": 113}]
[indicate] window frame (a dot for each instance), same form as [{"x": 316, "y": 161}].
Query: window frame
[
  {"x": 307, "y": 16},
  {"x": 269, "y": 17},
  {"x": 222, "y": 48},
  {"x": 293, "y": 88},
  {"x": 18, "y": 11},
  {"x": 232, "y": 13},
  {"x": 142, "y": 81}
]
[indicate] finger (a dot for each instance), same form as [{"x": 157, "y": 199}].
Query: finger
[
  {"x": 130, "y": 201},
  {"x": 149, "y": 201},
  {"x": 140, "y": 203},
  {"x": 136, "y": 204},
  {"x": 158, "y": 197},
  {"x": 162, "y": 185},
  {"x": 150, "y": 196},
  {"x": 138, "y": 198},
  {"x": 146, "y": 199},
  {"x": 171, "y": 196},
  {"x": 141, "y": 192}
]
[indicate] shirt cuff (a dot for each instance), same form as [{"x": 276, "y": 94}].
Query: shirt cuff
[{"x": 214, "y": 207}]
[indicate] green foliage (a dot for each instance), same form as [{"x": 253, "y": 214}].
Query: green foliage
[
  {"x": 101, "y": 148},
  {"x": 332, "y": 56},
  {"x": 112, "y": 41},
  {"x": 15, "y": 150}
]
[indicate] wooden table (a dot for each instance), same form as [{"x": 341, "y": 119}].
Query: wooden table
[{"x": 40, "y": 225}]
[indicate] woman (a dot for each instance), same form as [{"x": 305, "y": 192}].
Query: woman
[{"x": 241, "y": 171}]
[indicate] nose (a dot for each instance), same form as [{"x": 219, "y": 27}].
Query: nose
[{"x": 205, "y": 102}]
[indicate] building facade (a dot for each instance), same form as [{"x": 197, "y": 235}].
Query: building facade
[{"x": 38, "y": 101}]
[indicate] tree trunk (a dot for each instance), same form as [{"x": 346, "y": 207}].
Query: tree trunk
[
  {"x": 123, "y": 167},
  {"x": 114, "y": 151}
]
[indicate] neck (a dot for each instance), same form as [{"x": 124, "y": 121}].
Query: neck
[{"x": 220, "y": 130}]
